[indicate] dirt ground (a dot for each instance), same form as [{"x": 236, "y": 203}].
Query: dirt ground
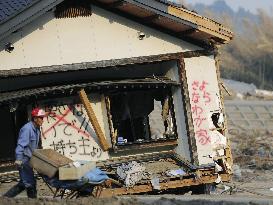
[
  {"x": 80, "y": 201},
  {"x": 253, "y": 164},
  {"x": 253, "y": 177}
]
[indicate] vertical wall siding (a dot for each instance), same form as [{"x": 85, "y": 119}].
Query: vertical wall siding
[{"x": 101, "y": 36}]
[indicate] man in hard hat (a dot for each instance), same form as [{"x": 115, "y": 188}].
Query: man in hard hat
[{"x": 28, "y": 141}]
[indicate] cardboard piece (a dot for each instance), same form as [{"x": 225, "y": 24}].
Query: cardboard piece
[
  {"x": 75, "y": 170},
  {"x": 47, "y": 161}
]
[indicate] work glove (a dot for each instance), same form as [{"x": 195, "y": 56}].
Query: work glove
[{"x": 18, "y": 163}]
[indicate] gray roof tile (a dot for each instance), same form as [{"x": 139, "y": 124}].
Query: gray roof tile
[{"x": 9, "y": 8}]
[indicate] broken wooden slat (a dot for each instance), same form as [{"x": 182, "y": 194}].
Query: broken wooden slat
[
  {"x": 91, "y": 114},
  {"x": 164, "y": 186}
]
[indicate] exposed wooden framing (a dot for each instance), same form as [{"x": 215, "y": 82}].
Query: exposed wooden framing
[
  {"x": 204, "y": 24},
  {"x": 149, "y": 145},
  {"x": 225, "y": 177},
  {"x": 64, "y": 90},
  {"x": 198, "y": 53},
  {"x": 152, "y": 18},
  {"x": 187, "y": 107},
  {"x": 116, "y": 4},
  {"x": 187, "y": 32},
  {"x": 144, "y": 188},
  {"x": 186, "y": 17},
  {"x": 164, "y": 186},
  {"x": 93, "y": 120},
  {"x": 228, "y": 154},
  {"x": 111, "y": 126},
  {"x": 88, "y": 65},
  {"x": 102, "y": 64}
]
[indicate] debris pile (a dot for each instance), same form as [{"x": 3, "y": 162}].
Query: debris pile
[
  {"x": 134, "y": 172},
  {"x": 131, "y": 173},
  {"x": 253, "y": 150},
  {"x": 244, "y": 91}
]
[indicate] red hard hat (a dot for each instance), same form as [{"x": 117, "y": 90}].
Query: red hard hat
[{"x": 37, "y": 112}]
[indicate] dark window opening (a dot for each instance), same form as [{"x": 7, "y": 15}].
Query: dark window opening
[
  {"x": 10, "y": 124},
  {"x": 142, "y": 116}
]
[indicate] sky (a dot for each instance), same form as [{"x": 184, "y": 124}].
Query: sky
[{"x": 251, "y": 5}]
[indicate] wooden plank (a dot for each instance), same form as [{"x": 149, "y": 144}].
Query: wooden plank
[
  {"x": 187, "y": 107},
  {"x": 204, "y": 24},
  {"x": 148, "y": 145},
  {"x": 228, "y": 154},
  {"x": 101, "y": 64},
  {"x": 91, "y": 114},
  {"x": 164, "y": 186}
]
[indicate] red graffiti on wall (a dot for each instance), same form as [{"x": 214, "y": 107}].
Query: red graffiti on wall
[
  {"x": 199, "y": 93},
  {"x": 70, "y": 121},
  {"x": 199, "y": 90},
  {"x": 203, "y": 136},
  {"x": 61, "y": 120}
]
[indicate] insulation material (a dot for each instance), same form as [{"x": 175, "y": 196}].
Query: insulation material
[
  {"x": 218, "y": 141},
  {"x": 131, "y": 173},
  {"x": 156, "y": 122},
  {"x": 204, "y": 100},
  {"x": 68, "y": 130}
]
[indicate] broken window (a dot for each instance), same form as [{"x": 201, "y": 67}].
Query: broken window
[{"x": 142, "y": 116}]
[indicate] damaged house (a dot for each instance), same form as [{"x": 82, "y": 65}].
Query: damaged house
[{"x": 150, "y": 71}]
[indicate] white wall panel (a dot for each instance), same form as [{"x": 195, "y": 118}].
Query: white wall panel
[
  {"x": 204, "y": 100},
  {"x": 102, "y": 36}
]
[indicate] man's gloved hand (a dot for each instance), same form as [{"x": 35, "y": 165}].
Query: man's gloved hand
[{"x": 18, "y": 163}]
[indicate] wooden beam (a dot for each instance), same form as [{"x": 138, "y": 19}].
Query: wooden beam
[
  {"x": 150, "y": 145},
  {"x": 164, "y": 186},
  {"x": 89, "y": 65},
  {"x": 204, "y": 24},
  {"x": 101, "y": 64},
  {"x": 187, "y": 32},
  {"x": 91, "y": 114},
  {"x": 152, "y": 18},
  {"x": 116, "y": 4}
]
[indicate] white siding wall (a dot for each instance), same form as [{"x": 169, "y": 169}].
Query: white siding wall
[
  {"x": 102, "y": 36},
  {"x": 204, "y": 99}
]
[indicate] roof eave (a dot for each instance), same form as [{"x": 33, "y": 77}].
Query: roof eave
[
  {"x": 179, "y": 22},
  {"x": 26, "y": 16},
  {"x": 193, "y": 26}
]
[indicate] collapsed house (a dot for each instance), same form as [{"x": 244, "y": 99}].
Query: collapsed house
[{"x": 150, "y": 70}]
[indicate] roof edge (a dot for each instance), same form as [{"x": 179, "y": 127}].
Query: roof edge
[
  {"x": 202, "y": 23},
  {"x": 23, "y": 17}
]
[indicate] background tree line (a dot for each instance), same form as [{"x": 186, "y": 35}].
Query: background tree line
[{"x": 249, "y": 56}]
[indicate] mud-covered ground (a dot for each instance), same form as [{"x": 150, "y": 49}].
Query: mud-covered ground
[
  {"x": 253, "y": 163},
  {"x": 253, "y": 177},
  {"x": 80, "y": 201}
]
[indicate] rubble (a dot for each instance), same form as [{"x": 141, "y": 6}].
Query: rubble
[
  {"x": 131, "y": 173},
  {"x": 253, "y": 150},
  {"x": 237, "y": 173}
]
